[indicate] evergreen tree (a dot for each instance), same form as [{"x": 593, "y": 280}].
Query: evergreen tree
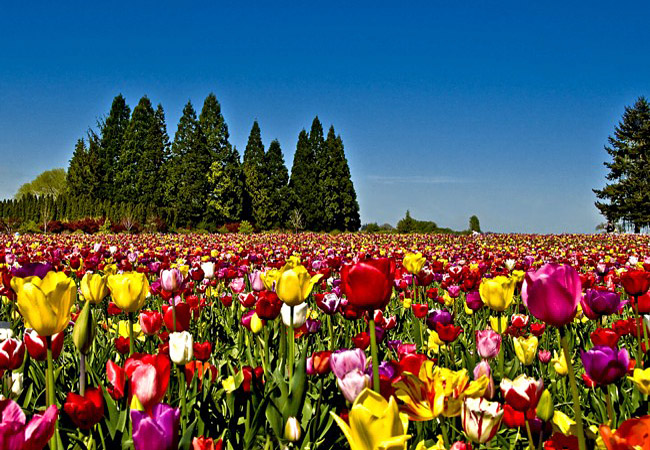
[
  {"x": 257, "y": 206},
  {"x": 303, "y": 185},
  {"x": 627, "y": 197},
  {"x": 474, "y": 224},
  {"x": 278, "y": 185},
  {"x": 150, "y": 170},
  {"x": 112, "y": 137},
  {"x": 224, "y": 177},
  {"x": 84, "y": 177},
  {"x": 136, "y": 146},
  {"x": 320, "y": 172},
  {"x": 188, "y": 188}
]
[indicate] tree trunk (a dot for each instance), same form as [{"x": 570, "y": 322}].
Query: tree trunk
[{"x": 637, "y": 229}]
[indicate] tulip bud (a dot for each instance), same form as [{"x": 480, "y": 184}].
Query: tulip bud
[
  {"x": 545, "y": 407},
  {"x": 292, "y": 430},
  {"x": 83, "y": 333},
  {"x": 181, "y": 347},
  {"x": 256, "y": 324}
]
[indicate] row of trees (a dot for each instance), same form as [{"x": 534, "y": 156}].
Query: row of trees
[
  {"x": 129, "y": 159},
  {"x": 625, "y": 199}
]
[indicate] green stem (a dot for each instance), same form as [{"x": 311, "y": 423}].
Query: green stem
[
  {"x": 574, "y": 390},
  {"x": 373, "y": 352},
  {"x": 174, "y": 313},
  {"x": 639, "y": 354},
  {"x": 330, "y": 329},
  {"x": 502, "y": 348},
  {"x": 610, "y": 409},
  {"x": 181, "y": 393},
  {"x": 50, "y": 394},
  {"x": 291, "y": 342},
  {"x": 131, "y": 341},
  {"x": 531, "y": 445},
  {"x": 82, "y": 374}
]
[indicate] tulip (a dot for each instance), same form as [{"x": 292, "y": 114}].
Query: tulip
[
  {"x": 45, "y": 303},
  {"x": 299, "y": 315},
  {"x": 545, "y": 407},
  {"x": 12, "y": 352},
  {"x": 256, "y": 281},
  {"x": 183, "y": 314},
  {"x": 256, "y": 323},
  {"x": 201, "y": 443},
  {"x": 292, "y": 430},
  {"x": 150, "y": 322},
  {"x": 635, "y": 282},
  {"x": 161, "y": 428},
  {"x": 498, "y": 324},
  {"x": 16, "y": 434},
  {"x": 84, "y": 331},
  {"x": 523, "y": 392},
  {"x": 344, "y": 361},
  {"x": 480, "y": 419},
  {"x": 129, "y": 290},
  {"x": 94, "y": 287},
  {"x": 483, "y": 369},
  {"x": 488, "y": 343},
  {"x": 560, "y": 363},
  {"x": 597, "y": 303},
  {"x": 37, "y": 345},
  {"x": 171, "y": 280},
  {"x": 631, "y": 434},
  {"x": 319, "y": 363},
  {"x": 149, "y": 377},
  {"x": 641, "y": 379},
  {"x": 552, "y": 293},
  {"x": 353, "y": 383},
  {"x": 368, "y": 284},
  {"x": 85, "y": 411},
  {"x": 208, "y": 269},
  {"x": 329, "y": 303},
  {"x": 268, "y": 306},
  {"x": 474, "y": 301},
  {"x": 202, "y": 350},
  {"x": 413, "y": 262},
  {"x": 39, "y": 270},
  {"x": 116, "y": 377},
  {"x": 181, "y": 347},
  {"x": 526, "y": 349},
  {"x": 294, "y": 284},
  {"x": 270, "y": 278},
  {"x": 497, "y": 293},
  {"x": 544, "y": 356},
  {"x": 374, "y": 423},
  {"x": 605, "y": 365}
]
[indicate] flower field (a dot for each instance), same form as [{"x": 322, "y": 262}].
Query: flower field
[{"x": 316, "y": 341}]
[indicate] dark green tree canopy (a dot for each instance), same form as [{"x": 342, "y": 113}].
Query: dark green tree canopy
[
  {"x": 277, "y": 176},
  {"x": 112, "y": 131},
  {"x": 626, "y": 197}
]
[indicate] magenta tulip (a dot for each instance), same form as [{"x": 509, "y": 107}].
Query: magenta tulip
[
  {"x": 488, "y": 343},
  {"x": 16, "y": 434},
  {"x": 552, "y": 293}
]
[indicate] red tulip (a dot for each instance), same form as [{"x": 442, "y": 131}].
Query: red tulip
[
  {"x": 202, "y": 350},
  {"x": 85, "y": 411},
  {"x": 122, "y": 345},
  {"x": 537, "y": 329},
  {"x": 513, "y": 418},
  {"x": 631, "y": 434},
  {"x": 268, "y": 306},
  {"x": 201, "y": 443},
  {"x": 448, "y": 333},
  {"x": 635, "y": 282},
  {"x": 420, "y": 310},
  {"x": 150, "y": 322},
  {"x": 411, "y": 363},
  {"x": 604, "y": 336},
  {"x": 37, "y": 345},
  {"x": 368, "y": 285},
  {"x": 149, "y": 377},
  {"x": 643, "y": 303},
  {"x": 202, "y": 368},
  {"x": 523, "y": 392},
  {"x": 182, "y": 317},
  {"x": 12, "y": 353},
  {"x": 116, "y": 377},
  {"x": 319, "y": 363},
  {"x": 361, "y": 340}
]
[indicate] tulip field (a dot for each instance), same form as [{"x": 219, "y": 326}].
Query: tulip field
[{"x": 314, "y": 341}]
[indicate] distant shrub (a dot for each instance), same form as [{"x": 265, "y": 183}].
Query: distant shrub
[
  {"x": 245, "y": 227},
  {"x": 233, "y": 227}
]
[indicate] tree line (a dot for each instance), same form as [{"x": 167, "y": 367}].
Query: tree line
[{"x": 198, "y": 179}]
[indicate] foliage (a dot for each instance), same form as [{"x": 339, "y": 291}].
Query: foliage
[
  {"x": 627, "y": 197},
  {"x": 49, "y": 183},
  {"x": 245, "y": 227},
  {"x": 474, "y": 224}
]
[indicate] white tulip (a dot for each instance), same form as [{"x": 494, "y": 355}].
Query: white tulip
[
  {"x": 299, "y": 314},
  {"x": 15, "y": 384},
  {"x": 510, "y": 264},
  {"x": 208, "y": 269},
  {"x": 6, "y": 333},
  {"x": 181, "y": 347}
]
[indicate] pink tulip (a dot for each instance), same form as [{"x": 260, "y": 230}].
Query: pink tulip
[
  {"x": 483, "y": 368},
  {"x": 552, "y": 293},
  {"x": 353, "y": 383},
  {"x": 488, "y": 343},
  {"x": 16, "y": 434},
  {"x": 256, "y": 281},
  {"x": 237, "y": 285},
  {"x": 171, "y": 280}
]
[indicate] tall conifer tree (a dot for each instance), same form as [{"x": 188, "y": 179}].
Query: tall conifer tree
[
  {"x": 303, "y": 183},
  {"x": 257, "y": 205},
  {"x": 278, "y": 181},
  {"x": 112, "y": 131}
]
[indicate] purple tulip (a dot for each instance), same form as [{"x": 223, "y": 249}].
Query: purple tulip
[
  {"x": 552, "y": 293},
  {"x": 313, "y": 325},
  {"x": 386, "y": 369},
  {"x": 393, "y": 344},
  {"x": 345, "y": 361},
  {"x": 32, "y": 270},
  {"x": 441, "y": 316},
  {"x": 474, "y": 301},
  {"x": 605, "y": 364},
  {"x": 330, "y": 303},
  {"x": 161, "y": 427},
  {"x": 15, "y": 434},
  {"x": 597, "y": 303},
  {"x": 454, "y": 291}
]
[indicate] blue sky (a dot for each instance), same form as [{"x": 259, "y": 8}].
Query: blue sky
[{"x": 499, "y": 109}]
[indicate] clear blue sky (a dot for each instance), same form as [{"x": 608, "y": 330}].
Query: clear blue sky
[{"x": 499, "y": 109}]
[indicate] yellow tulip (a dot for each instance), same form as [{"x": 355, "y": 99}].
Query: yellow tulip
[
  {"x": 374, "y": 423},
  {"x": 497, "y": 292},
  {"x": 641, "y": 378},
  {"x": 256, "y": 323},
  {"x": 93, "y": 287},
  {"x": 122, "y": 329},
  {"x": 526, "y": 349},
  {"x": 294, "y": 284},
  {"x": 563, "y": 423},
  {"x": 129, "y": 290},
  {"x": 110, "y": 269},
  {"x": 518, "y": 275},
  {"x": 560, "y": 363},
  {"x": 439, "y": 445},
  {"x": 45, "y": 303},
  {"x": 269, "y": 278},
  {"x": 499, "y": 327},
  {"x": 413, "y": 262},
  {"x": 434, "y": 342},
  {"x": 407, "y": 303},
  {"x": 437, "y": 390}
]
